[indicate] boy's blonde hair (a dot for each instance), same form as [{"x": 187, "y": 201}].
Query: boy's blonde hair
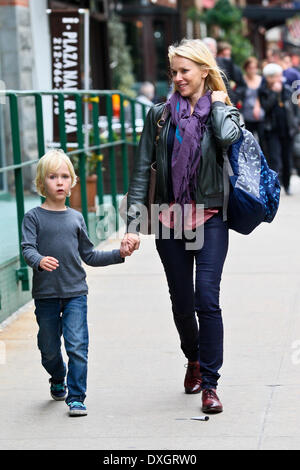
[
  {"x": 197, "y": 51},
  {"x": 52, "y": 161}
]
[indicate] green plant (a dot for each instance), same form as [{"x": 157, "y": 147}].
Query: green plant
[
  {"x": 120, "y": 59},
  {"x": 91, "y": 161},
  {"x": 92, "y": 158},
  {"x": 229, "y": 20}
]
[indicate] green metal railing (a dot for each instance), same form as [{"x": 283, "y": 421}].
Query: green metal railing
[{"x": 125, "y": 138}]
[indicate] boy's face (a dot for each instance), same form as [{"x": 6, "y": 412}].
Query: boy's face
[{"x": 58, "y": 183}]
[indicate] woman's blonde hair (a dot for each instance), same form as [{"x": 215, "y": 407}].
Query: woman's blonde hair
[
  {"x": 52, "y": 161},
  {"x": 197, "y": 51}
]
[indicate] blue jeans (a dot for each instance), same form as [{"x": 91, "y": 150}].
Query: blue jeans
[
  {"x": 67, "y": 317},
  {"x": 203, "y": 341}
]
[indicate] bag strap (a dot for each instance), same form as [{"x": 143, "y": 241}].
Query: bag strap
[
  {"x": 227, "y": 172},
  {"x": 161, "y": 122}
]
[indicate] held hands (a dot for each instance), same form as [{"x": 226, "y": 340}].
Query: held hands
[
  {"x": 130, "y": 242},
  {"x": 48, "y": 263}
]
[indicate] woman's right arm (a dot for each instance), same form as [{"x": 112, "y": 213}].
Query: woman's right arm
[{"x": 139, "y": 182}]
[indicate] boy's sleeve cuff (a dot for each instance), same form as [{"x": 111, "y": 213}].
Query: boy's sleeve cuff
[
  {"x": 117, "y": 256},
  {"x": 37, "y": 264}
]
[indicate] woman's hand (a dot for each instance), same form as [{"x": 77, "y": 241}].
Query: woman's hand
[
  {"x": 219, "y": 96},
  {"x": 256, "y": 110},
  {"x": 130, "y": 242},
  {"x": 48, "y": 263},
  {"x": 126, "y": 248}
]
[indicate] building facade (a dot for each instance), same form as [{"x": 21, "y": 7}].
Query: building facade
[
  {"x": 150, "y": 28},
  {"x": 26, "y": 64}
]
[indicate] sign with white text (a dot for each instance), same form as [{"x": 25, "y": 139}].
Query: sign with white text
[
  {"x": 165, "y": 3},
  {"x": 66, "y": 45}
]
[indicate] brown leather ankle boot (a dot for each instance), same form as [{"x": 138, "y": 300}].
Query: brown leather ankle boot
[{"x": 192, "y": 380}]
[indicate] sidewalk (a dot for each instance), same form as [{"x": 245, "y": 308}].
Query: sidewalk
[{"x": 135, "y": 393}]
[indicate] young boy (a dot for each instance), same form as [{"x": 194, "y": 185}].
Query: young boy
[{"x": 54, "y": 240}]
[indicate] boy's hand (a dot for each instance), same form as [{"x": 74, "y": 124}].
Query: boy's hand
[
  {"x": 48, "y": 263},
  {"x": 132, "y": 239},
  {"x": 129, "y": 243},
  {"x": 125, "y": 251},
  {"x": 126, "y": 248}
]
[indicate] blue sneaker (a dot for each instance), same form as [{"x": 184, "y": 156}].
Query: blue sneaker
[
  {"x": 58, "y": 391},
  {"x": 77, "y": 408}
]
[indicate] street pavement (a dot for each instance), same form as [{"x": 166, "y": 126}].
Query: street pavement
[{"x": 135, "y": 394}]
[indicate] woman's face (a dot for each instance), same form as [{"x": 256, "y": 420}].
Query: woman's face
[
  {"x": 187, "y": 76},
  {"x": 251, "y": 70}
]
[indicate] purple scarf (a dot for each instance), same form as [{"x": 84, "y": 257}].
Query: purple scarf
[{"x": 186, "y": 153}]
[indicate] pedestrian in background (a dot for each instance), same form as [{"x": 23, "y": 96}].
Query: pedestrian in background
[
  {"x": 212, "y": 45},
  {"x": 295, "y": 58},
  {"x": 200, "y": 122},
  {"x": 234, "y": 81},
  {"x": 280, "y": 125},
  {"x": 290, "y": 73},
  {"x": 251, "y": 110},
  {"x": 145, "y": 95},
  {"x": 54, "y": 239}
]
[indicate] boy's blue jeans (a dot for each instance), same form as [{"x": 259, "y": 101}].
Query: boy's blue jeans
[{"x": 67, "y": 317}]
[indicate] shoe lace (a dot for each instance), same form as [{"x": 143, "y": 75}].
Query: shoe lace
[
  {"x": 192, "y": 375},
  {"x": 210, "y": 393},
  {"x": 191, "y": 366},
  {"x": 58, "y": 387},
  {"x": 77, "y": 404}
]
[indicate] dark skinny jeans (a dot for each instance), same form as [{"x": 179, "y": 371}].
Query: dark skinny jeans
[{"x": 203, "y": 341}]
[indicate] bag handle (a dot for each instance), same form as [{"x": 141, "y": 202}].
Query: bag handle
[{"x": 227, "y": 172}]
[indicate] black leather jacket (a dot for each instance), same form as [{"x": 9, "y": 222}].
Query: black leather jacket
[
  {"x": 222, "y": 129},
  {"x": 269, "y": 101}
]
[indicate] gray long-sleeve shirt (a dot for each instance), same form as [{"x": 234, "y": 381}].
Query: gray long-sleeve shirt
[{"x": 62, "y": 235}]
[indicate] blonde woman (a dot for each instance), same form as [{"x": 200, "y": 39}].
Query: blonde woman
[
  {"x": 54, "y": 239},
  {"x": 198, "y": 123}
]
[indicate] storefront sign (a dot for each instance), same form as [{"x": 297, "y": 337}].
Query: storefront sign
[
  {"x": 165, "y": 3},
  {"x": 293, "y": 31},
  {"x": 65, "y": 27},
  {"x": 208, "y": 4}
]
